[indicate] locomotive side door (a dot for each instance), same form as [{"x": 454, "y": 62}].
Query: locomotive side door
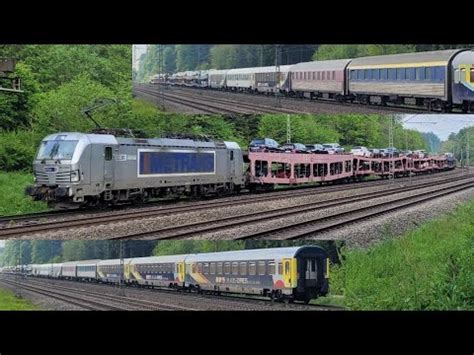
[
  {"x": 108, "y": 165},
  {"x": 232, "y": 162}
]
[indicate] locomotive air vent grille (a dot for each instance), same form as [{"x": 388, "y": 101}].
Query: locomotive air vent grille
[{"x": 41, "y": 177}]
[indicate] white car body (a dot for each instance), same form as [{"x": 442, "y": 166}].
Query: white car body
[{"x": 361, "y": 151}]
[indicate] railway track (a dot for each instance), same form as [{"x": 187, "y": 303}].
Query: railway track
[
  {"x": 323, "y": 224},
  {"x": 308, "y": 107},
  {"x": 214, "y": 105},
  {"x": 48, "y": 226},
  {"x": 33, "y": 217},
  {"x": 198, "y": 301},
  {"x": 193, "y": 229},
  {"x": 87, "y": 304},
  {"x": 94, "y": 300}
]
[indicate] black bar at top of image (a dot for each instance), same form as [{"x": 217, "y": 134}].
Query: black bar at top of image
[{"x": 235, "y": 25}]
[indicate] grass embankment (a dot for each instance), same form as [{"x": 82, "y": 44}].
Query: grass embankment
[
  {"x": 430, "y": 268},
  {"x": 8, "y": 302},
  {"x": 12, "y": 194}
]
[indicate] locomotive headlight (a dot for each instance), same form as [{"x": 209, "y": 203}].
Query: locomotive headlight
[{"x": 75, "y": 175}]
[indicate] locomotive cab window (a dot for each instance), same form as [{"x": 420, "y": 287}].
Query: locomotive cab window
[
  {"x": 108, "y": 153},
  {"x": 471, "y": 79},
  {"x": 231, "y": 155}
]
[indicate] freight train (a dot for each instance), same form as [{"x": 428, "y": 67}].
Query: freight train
[
  {"x": 284, "y": 274},
  {"x": 83, "y": 170},
  {"x": 437, "y": 80}
]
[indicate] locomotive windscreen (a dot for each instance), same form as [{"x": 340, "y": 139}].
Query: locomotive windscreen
[{"x": 175, "y": 162}]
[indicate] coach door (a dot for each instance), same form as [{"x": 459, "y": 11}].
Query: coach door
[
  {"x": 289, "y": 272},
  {"x": 181, "y": 271},
  {"x": 311, "y": 272}
]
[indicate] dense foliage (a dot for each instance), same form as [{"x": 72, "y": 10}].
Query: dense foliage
[
  {"x": 431, "y": 267},
  {"x": 459, "y": 144},
  {"x": 58, "y": 81}
]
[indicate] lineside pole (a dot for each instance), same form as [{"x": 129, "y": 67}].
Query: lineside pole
[{"x": 277, "y": 76}]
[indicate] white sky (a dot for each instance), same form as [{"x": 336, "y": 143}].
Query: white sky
[{"x": 442, "y": 125}]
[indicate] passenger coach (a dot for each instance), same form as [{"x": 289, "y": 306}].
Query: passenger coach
[
  {"x": 422, "y": 78},
  {"x": 295, "y": 273}
]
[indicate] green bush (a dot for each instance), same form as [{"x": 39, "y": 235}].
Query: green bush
[
  {"x": 12, "y": 197},
  {"x": 426, "y": 269},
  {"x": 17, "y": 150}
]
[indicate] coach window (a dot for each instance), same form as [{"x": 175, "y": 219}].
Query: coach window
[
  {"x": 219, "y": 269},
  {"x": 439, "y": 73},
  {"x": 323, "y": 75},
  {"x": 319, "y": 75},
  {"x": 227, "y": 268},
  {"x": 333, "y": 75},
  {"x": 261, "y": 268},
  {"x": 231, "y": 155},
  {"x": 383, "y": 74},
  {"x": 271, "y": 267},
  {"x": 375, "y": 74},
  {"x": 206, "y": 268},
  {"x": 401, "y": 74},
  {"x": 392, "y": 74},
  {"x": 212, "y": 269},
  {"x": 280, "y": 268},
  {"x": 243, "y": 268},
  {"x": 428, "y": 74},
  {"x": 410, "y": 74},
  {"x": 252, "y": 268},
  {"x": 200, "y": 268},
  {"x": 420, "y": 73},
  {"x": 368, "y": 74},
  {"x": 108, "y": 153},
  {"x": 235, "y": 268}
]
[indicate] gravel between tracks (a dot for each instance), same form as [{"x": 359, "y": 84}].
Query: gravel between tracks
[
  {"x": 147, "y": 224},
  {"x": 311, "y": 107},
  {"x": 398, "y": 222}
]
